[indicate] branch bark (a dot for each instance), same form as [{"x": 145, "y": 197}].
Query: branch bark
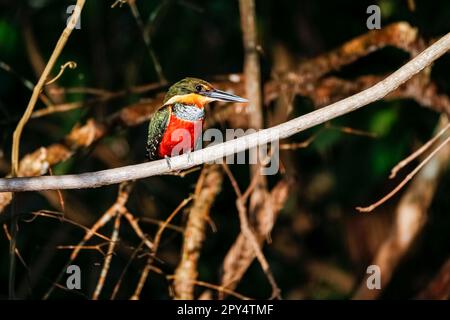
[
  {"x": 284, "y": 130},
  {"x": 252, "y": 75}
]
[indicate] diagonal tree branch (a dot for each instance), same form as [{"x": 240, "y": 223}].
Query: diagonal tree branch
[{"x": 284, "y": 130}]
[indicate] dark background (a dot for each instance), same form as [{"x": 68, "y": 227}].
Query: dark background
[{"x": 203, "y": 39}]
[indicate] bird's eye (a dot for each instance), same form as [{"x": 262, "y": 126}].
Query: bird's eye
[{"x": 198, "y": 88}]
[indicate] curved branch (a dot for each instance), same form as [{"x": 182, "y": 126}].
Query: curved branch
[
  {"x": 284, "y": 130},
  {"x": 41, "y": 83}
]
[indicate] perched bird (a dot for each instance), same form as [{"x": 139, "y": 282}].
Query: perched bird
[{"x": 177, "y": 126}]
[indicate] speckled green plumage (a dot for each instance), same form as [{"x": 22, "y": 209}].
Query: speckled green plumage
[
  {"x": 183, "y": 107},
  {"x": 156, "y": 129}
]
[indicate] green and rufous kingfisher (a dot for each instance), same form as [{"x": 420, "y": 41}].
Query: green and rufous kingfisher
[{"x": 176, "y": 126}]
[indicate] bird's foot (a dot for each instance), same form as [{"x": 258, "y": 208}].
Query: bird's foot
[
  {"x": 189, "y": 156},
  {"x": 168, "y": 162}
]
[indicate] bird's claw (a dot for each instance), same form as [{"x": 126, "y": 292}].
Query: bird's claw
[
  {"x": 168, "y": 162},
  {"x": 189, "y": 156}
]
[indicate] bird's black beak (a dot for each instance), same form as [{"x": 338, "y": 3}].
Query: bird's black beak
[{"x": 223, "y": 96}]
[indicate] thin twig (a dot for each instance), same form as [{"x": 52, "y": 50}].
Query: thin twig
[
  {"x": 8, "y": 236},
  {"x": 124, "y": 271},
  {"x": 248, "y": 232},
  {"x": 26, "y": 116},
  {"x": 417, "y": 153},
  {"x": 97, "y": 247},
  {"x": 167, "y": 221},
  {"x": 118, "y": 3},
  {"x": 410, "y": 218},
  {"x": 241, "y": 254},
  {"x": 27, "y": 83},
  {"x": 351, "y": 131},
  {"x": 42, "y": 80},
  {"x": 137, "y": 229},
  {"x": 117, "y": 209},
  {"x": 145, "y": 272},
  {"x": 147, "y": 40},
  {"x": 160, "y": 223},
  {"x": 69, "y": 64},
  {"x": 108, "y": 258},
  {"x": 300, "y": 145},
  {"x": 107, "y": 216},
  {"x": 306, "y": 143},
  {"x": 217, "y": 288},
  {"x": 404, "y": 181},
  {"x": 63, "y": 219}
]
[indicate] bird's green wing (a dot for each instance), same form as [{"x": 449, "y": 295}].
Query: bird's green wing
[{"x": 156, "y": 129}]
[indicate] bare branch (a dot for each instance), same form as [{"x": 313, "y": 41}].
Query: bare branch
[
  {"x": 404, "y": 181},
  {"x": 41, "y": 83},
  {"x": 249, "y": 234},
  {"x": 157, "y": 240},
  {"x": 417, "y": 153},
  {"x": 410, "y": 218},
  {"x": 108, "y": 258},
  {"x": 284, "y": 130},
  {"x": 217, "y": 288},
  {"x": 208, "y": 186}
]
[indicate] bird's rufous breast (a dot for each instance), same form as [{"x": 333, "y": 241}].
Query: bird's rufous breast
[{"x": 180, "y": 137}]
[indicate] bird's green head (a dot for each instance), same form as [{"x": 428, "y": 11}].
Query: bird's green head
[{"x": 197, "y": 91}]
